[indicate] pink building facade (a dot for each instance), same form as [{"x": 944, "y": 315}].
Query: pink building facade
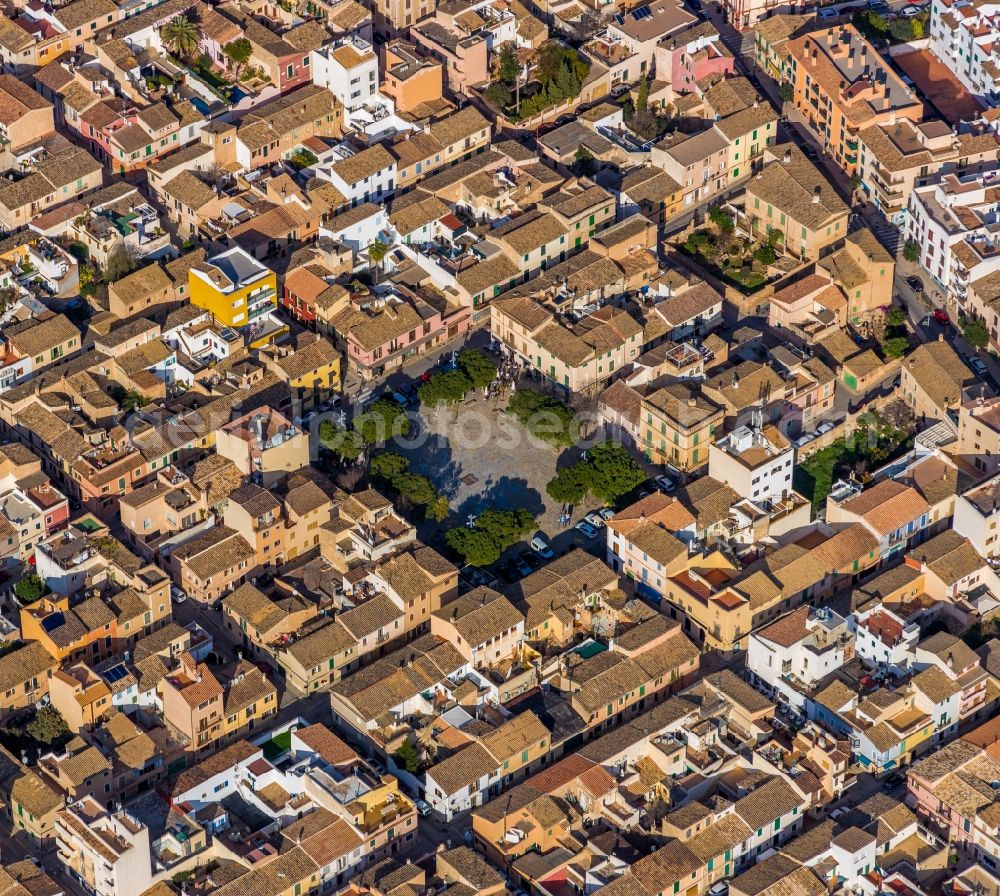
[{"x": 683, "y": 59}]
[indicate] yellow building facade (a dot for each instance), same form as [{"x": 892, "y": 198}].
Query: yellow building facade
[{"x": 237, "y": 290}]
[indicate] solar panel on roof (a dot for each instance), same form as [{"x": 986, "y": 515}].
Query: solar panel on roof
[
  {"x": 51, "y": 622},
  {"x": 619, "y": 19},
  {"x": 641, "y": 12},
  {"x": 116, "y": 673}
]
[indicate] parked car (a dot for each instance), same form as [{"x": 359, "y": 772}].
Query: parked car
[
  {"x": 585, "y": 529},
  {"x": 909, "y": 11},
  {"x": 522, "y": 565},
  {"x": 606, "y": 513},
  {"x": 719, "y": 888},
  {"x": 178, "y": 595},
  {"x": 397, "y": 397},
  {"x": 619, "y": 89},
  {"x": 595, "y": 519},
  {"x": 409, "y": 392},
  {"x": 827, "y": 12},
  {"x": 941, "y": 316},
  {"x": 423, "y": 807},
  {"x": 915, "y": 283},
  {"x": 895, "y": 779},
  {"x": 804, "y": 440},
  {"x": 810, "y": 152},
  {"x": 838, "y": 813},
  {"x": 665, "y": 484},
  {"x": 824, "y": 428},
  {"x": 978, "y": 367},
  {"x": 541, "y": 547}
]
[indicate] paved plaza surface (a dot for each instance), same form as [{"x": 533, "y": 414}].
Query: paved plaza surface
[{"x": 481, "y": 458}]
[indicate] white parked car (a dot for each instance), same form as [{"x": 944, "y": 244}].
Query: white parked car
[
  {"x": 595, "y": 519},
  {"x": 665, "y": 484},
  {"x": 606, "y": 513},
  {"x": 178, "y": 595},
  {"x": 585, "y": 529},
  {"x": 541, "y": 547}
]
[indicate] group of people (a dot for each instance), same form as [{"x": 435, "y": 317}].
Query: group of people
[{"x": 506, "y": 378}]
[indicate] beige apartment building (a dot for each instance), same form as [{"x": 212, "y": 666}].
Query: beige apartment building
[
  {"x": 979, "y": 435},
  {"x": 934, "y": 379},
  {"x": 484, "y": 626},
  {"x": 212, "y": 563},
  {"x": 394, "y": 16},
  {"x": 791, "y": 196},
  {"x": 25, "y": 116},
  {"x": 154, "y": 512},
  {"x": 576, "y": 356},
  {"x": 264, "y": 443},
  {"x": 677, "y": 424}
]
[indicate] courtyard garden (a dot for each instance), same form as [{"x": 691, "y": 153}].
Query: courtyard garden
[
  {"x": 734, "y": 257},
  {"x": 556, "y": 75},
  {"x": 878, "y": 438}
]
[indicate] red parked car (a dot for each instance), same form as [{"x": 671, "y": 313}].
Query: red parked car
[{"x": 941, "y": 316}]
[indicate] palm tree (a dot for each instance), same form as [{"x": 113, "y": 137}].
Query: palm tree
[
  {"x": 181, "y": 36},
  {"x": 376, "y": 253}
]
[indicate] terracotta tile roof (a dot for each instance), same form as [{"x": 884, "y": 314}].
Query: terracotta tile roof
[
  {"x": 887, "y": 506},
  {"x": 939, "y": 370},
  {"x": 790, "y": 186}
]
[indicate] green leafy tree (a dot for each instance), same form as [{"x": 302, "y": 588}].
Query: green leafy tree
[
  {"x": 975, "y": 333},
  {"x": 499, "y": 95},
  {"x": 544, "y": 417},
  {"x": 505, "y": 526},
  {"x": 302, "y": 158},
  {"x": 896, "y": 317},
  {"x": 721, "y": 219},
  {"x": 31, "y": 588},
  {"x": 439, "y": 509},
  {"x": 376, "y": 254},
  {"x": 613, "y": 471},
  {"x": 476, "y": 547},
  {"x": 381, "y": 421},
  {"x": 570, "y": 484},
  {"x": 48, "y": 727},
  {"x": 911, "y": 251},
  {"x": 132, "y": 400},
  {"x": 444, "y": 388},
  {"x": 237, "y": 53},
  {"x": 389, "y": 465},
  {"x": 765, "y": 254},
  {"x": 642, "y": 99},
  {"x": 407, "y": 758},
  {"x": 121, "y": 262},
  {"x": 415, "y": 489},
  {"x": 181, "y": 37},
  {"x": 479, "y": 369},
  {"x": 509, "y": 69},
  {"x": 608, "y": 473},
  {"x": 584, "y": 164},
  {"x": 786, "y": 92},
  {"x": 345, "y": 443},
  {"x": 895, "y": 346}
]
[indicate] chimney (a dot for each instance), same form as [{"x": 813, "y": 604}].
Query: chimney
[
  {"x": 787, "y": 157},
  {"x": 692, "y": 402},
  {"x": 816, "y": 192}
]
